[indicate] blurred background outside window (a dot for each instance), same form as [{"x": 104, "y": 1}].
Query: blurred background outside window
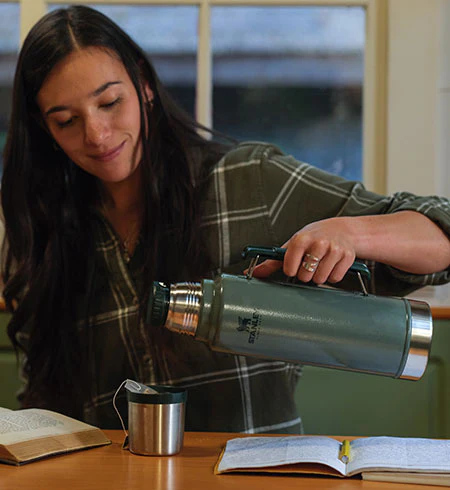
[
  {"x": 292, "y": 76},
  {"x": 9, "y": 49}
]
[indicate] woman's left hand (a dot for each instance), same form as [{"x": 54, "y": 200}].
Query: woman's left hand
[{"x": 320, "y": 252}]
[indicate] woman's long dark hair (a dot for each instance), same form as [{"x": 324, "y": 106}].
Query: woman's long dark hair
[{"x": 46, "y": 202}]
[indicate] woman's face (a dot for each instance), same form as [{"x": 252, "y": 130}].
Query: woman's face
[{"x": 91, "y": 108}]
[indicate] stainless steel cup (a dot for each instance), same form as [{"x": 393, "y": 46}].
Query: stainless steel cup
[{"x": 156, "y": 421}]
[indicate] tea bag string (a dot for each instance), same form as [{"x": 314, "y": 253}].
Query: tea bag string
[{"x": 115, "y": 406}]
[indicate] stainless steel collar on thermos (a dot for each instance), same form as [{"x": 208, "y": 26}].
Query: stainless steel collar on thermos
[
  {"x": 184, "y": 307},
  {"x": 420, "y": 340}
]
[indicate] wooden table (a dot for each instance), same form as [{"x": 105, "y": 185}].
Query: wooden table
[{"x": 111, "y": 468}]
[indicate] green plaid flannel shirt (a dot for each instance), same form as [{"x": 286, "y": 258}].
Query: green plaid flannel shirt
[{"x": 257, "y": 195}]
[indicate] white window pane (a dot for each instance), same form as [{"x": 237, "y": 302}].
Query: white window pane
[
  {"x": 9, "y": 48},
  {"x": 292, "y": 76},
  {"x": 168, "y": 34}
]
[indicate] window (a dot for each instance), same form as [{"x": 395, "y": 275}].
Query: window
[
  {"x": 9, "y": 47},
  {"x": 293, "y": 78},
  {"x": 200, "y": 61}
]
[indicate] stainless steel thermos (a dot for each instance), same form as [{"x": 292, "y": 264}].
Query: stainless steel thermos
[{"x": 311, "y": 325}]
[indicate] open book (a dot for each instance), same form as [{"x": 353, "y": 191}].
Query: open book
[
  {"x": 30, "y": 434},
  {"x": 376, "y": 458}
]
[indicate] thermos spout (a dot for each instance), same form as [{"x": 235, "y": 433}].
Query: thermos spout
[{"x": 177, "y": 307}]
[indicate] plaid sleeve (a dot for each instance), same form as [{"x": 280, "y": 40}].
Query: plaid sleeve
[
  {"x": 298, "y": 194},
  {"x": 259, "y": 196}
]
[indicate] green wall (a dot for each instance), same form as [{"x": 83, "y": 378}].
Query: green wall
[{"x": 8, "y": 368}]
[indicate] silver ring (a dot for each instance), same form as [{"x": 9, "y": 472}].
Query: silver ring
[
  {"x": 310, "y": 263},
  {"x": 309, "y": 266}
]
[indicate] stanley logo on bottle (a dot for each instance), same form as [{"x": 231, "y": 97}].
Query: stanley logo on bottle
[{"x": 251, "y": 326}]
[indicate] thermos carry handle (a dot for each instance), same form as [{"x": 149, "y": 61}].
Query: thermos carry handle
[{"x": 277, "y": 253}]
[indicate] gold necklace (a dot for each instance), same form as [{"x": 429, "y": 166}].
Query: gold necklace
[
  {"x": 127, "y": 241},
  {"x": 131, "y": 238}
]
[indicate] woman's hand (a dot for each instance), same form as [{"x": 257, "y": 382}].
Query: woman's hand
[
  {"x": 325, "y": 250},
  {"x": 320, "y": 252}
]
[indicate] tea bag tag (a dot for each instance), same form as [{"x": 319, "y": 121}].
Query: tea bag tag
[{"x": 135, "y": 387}]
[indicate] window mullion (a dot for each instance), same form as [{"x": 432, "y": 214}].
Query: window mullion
[
  {"x": 375, "y": 97},
  {"x": 30, "y": 12},
  {"x": 203, "y": 102}
]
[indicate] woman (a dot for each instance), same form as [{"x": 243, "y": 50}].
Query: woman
[{"x": 108, "y": 185}]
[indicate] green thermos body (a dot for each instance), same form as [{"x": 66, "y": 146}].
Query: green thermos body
[{"x": 299, "y": 323}]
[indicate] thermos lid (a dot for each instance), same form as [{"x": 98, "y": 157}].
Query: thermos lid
[
  {"x": 158, "y": 304},
  {"x": 164, "y": 395}
]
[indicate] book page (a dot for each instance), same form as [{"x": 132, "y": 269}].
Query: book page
[
  {"x": 22, "y": 425},
  {"x": 260, "y": 452},
  {"x": 399, "y": 453}
]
